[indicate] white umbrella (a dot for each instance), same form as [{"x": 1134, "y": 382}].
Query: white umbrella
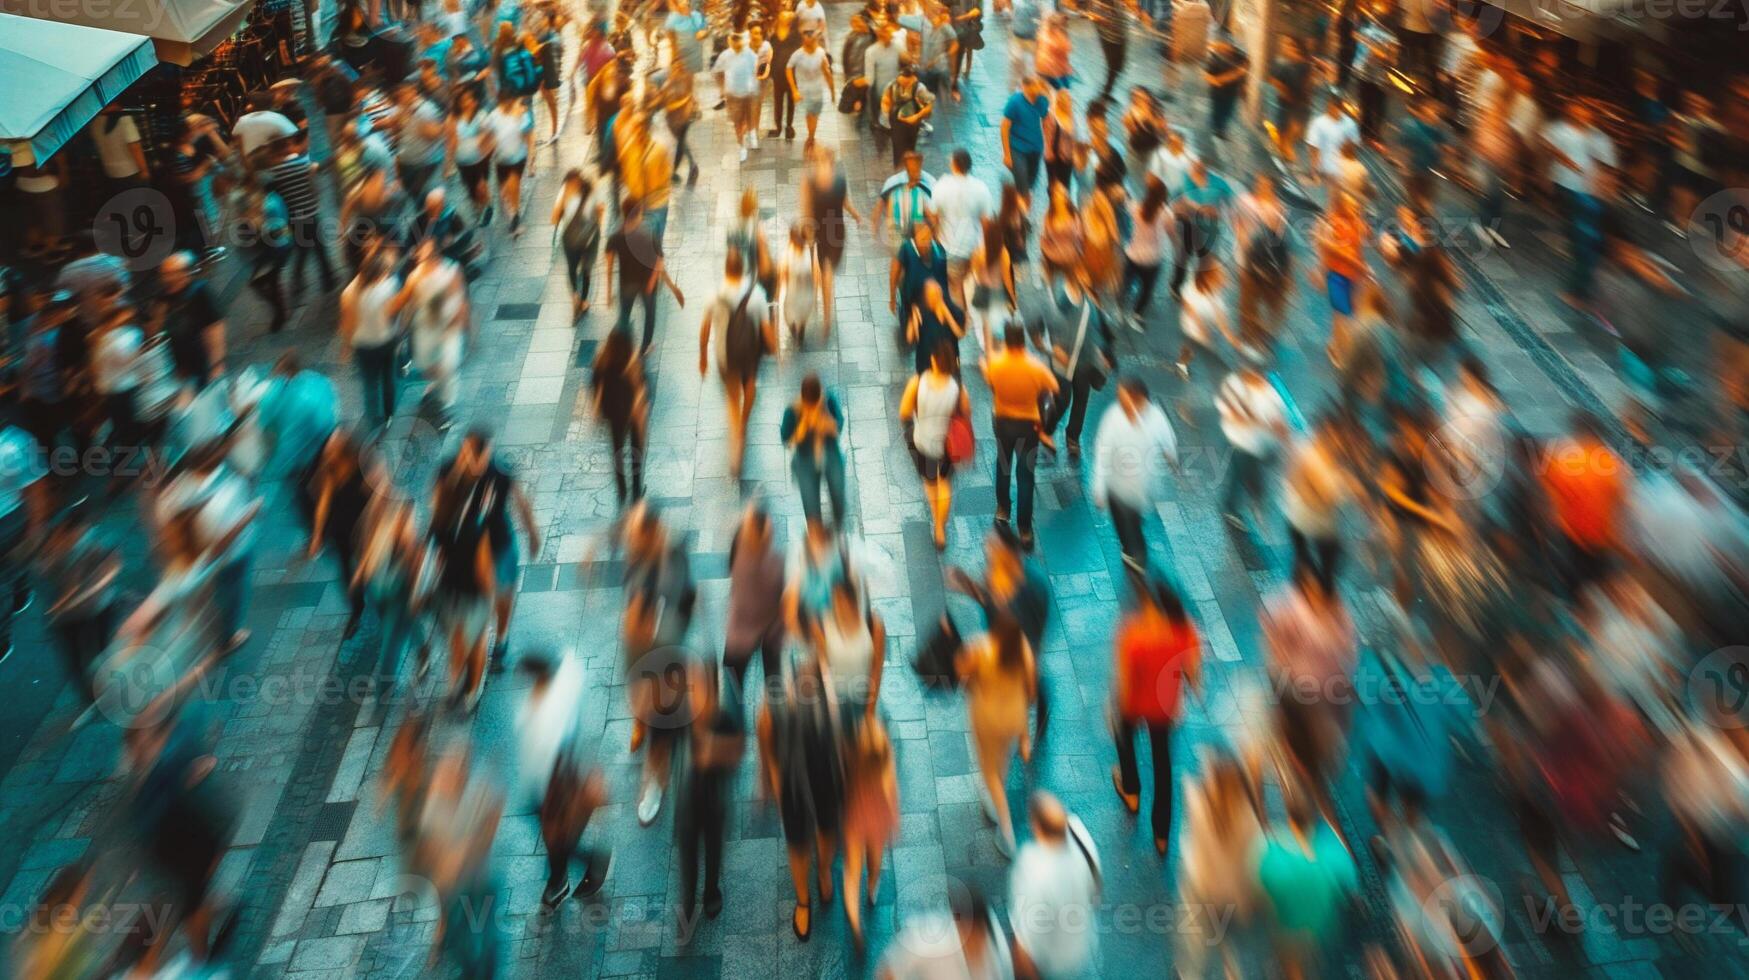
[{"x": 255, "y": 130}]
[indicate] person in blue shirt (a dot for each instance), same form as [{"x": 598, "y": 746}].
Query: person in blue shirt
[
  {"x": 296, "y": 416},
  {"x": 811, "y": 428},
  {"x": 1424, "y": 140},
  {"x": 1023, "y": 134},
  {"x": 1199, "y": 205},
  {"x": 688, "y": 32}
]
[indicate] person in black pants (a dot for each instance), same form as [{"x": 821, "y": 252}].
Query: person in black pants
[
  {"x": 1018, "y": 383},
  {"x": 1081, "y": 343},
  {"x": 620, "y": 398},
  {"x": 642, "y": 268},
  {"x": 1158, "y": 653},
  {"x": 905, "y": 105},
  {"x": 785, "y": 41},
  {"x": 718, "y": 742}
]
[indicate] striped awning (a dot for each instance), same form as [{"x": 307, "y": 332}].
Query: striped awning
[{"x": 57, "y": 77}]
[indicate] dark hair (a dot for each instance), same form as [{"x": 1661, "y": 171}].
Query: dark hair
[
  {"x": 962, "y": 160},
  {"x": 1099, "y": 108},
  {"x": 1153, "y": 198},
  {"x": 1471, "y": 365},
  {"x": 1134, "y": 384},
  {"x": 538, "y": 667},
  {"x": 946, "y": 355},
  {"x": 1009, "y": 540},
  {"x": 734, "y": 264},
  {"x": 1162, "y": 596},
  {"x": 812, "y": 389},
  {"x": 1010, "y": 641},
  {"x": 1014, "y": 335}
]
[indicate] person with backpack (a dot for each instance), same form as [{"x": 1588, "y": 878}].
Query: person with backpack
[
  {"x": 519, "y": 71},
  {"x": 812, "y": 428},
  {"x": 802, "y": 762},
  {"x": 1078, "y": 334},
  {"x": 905, "y": 105},
  {"x": 739, "y": 323},
  {"x": 1265, "y": 267},
  {"x": 1053, "y": 894},
  {"x": 716, "y": 741},
  {"x": 555, "y": 772}
]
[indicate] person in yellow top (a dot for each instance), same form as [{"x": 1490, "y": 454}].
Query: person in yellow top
[
  {"x": 1017, "y": 381},
  {"x": 646, "y": 169}
]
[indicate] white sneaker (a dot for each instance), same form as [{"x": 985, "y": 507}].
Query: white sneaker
[
  {"x": 743, "y": 154},
  {"x": 1499, "y": 239},
  {"x": 649, "y": 804},
  {"x": 752, "y": 140}
]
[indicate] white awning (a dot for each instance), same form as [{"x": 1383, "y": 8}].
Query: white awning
[
  {"x": 182, "y": 30},
  {"x": 57, "y": 77}
]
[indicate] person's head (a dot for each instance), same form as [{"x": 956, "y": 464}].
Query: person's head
[
  {"x": 734, "y": 265},
  {"x": 1033, "y": 86},
  {"x": 1003, "y": 553},
  {"x": 755, "y": 529},
  {"x": 1063, "y": 103},
  {"x": 810, "y": 42},
  {"x": 475, "y": 451},
  {"x": 812, "y": 391},
  {"x": 177, "y": 271},
  {"x": 1009, "y": 640},
  {"x": 884, "y": 33},
  {"x": 1174, "y": 140},
  {"x": 846, "y": 601},
  {"x": 755, "y": 36},
  {"x": 785, "y": 21},
  {"x": 378, "y": 263},
  {"x": 539, "y": 668},
  {"x": 1013, "y": 337},
  {"x": 944, "y": 359},
  {"x": 1060, "y": 201},
  {"x": 1153, "y": 198},
  {"x": 1290, "y": 47},
  {"x": 1132, "y": 394},
  {"x": 933, "y": 298},
  {"x": 737, "y": 41},
  {"x": 1696, "y": 104},
  {"x": 1160, "y": 597},
  {"x": 435, "y": 199},
  {"x": 1473, "y": 374},
  {"x": 1208, "y": 278},
  {"x": 1347, "y": 205},
  {"x": 1050, "y": 821},
  {"x": 1425, "y": 109},
  {"x": 1580, "y": 113},
  {"x": 467, "y": 103},
  {"x": 1012, "y": 206},
  {"x": 1334, "y": 107},
  {"x": 907, "y": 75},
  {"x": 913, "y": 166},
  {"x": 505, "y": 38},
  {"x": 683, "y": 7},
  {"x": 923, "y": 236}
]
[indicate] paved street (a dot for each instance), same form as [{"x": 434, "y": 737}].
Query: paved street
[{"x": 300, "y": 745}]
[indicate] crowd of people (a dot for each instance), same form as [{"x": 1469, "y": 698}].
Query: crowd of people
[{"x": 1586, "y": 589}]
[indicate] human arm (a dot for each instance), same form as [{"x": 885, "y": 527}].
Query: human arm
[{"x": 524, "y": 507}]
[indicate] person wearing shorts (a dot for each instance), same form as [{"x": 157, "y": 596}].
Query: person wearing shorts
[
  {"x": 740, "y": 304},
  {"x": 512, "y": 128},
  {"x": 810, "y": 81},
  {"x": 1342, "y": 242}
]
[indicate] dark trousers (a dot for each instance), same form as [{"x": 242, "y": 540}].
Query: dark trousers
[
  {"x": 1016, "y": 438},
  {"x": 265, "y": 282},
  {"x": 700, "y": 827},
  {"x": 1319, "y": 555},
  {"x": 783, "y": 107},
  {"x": 1244, "y": 479},
  {"x": 1072, "y": 399},
  {"x": 1026, "y": 168},
  {"x": 1222, "y": 108},
  {"x": 683, "y": 151},
  {"x": 1141, "y": 280},
  {"x": 628, "y": 453},
  {"x": 1127, "y": 521},
  {"x": 81, "y": 641},
  {"x": 1188, "y": 252},
  {"x": 809, "y": 475},
  {"x": 376, "y": 372},
  {"x": 1160, "y": 747},
  {"x": 14, "y": 585},
  {"x": 1116, "y": 55},
  {"x": 770, "y": 649},
  {"x": 307, "y": 245},
  {"x": 1372, "y": 109},
  {"x": 629, "y": 297},
  {"x": 904, "y": 141},
  {"x": 580, "y": 268}
]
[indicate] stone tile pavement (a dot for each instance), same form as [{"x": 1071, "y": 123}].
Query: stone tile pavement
[{"x": 315, "y": 864}]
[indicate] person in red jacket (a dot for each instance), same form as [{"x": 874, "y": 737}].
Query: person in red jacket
[{"x": 1158, "y": 653}]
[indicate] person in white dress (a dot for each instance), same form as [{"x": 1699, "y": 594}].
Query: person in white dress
[{"x": 799, "y": 270}]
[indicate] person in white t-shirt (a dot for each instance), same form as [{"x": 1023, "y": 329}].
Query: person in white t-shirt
[
  {"x": 118, "y": 148},
  {"x": 811, "y": 19},
  {"x": 1053, "y": 894},
  {"x": 737, "y": 70},
  {"x": 1326, "y": 136},
  {"x": 961, "y": 204},
  {"x": 1134, "y": 446},
  {"x": 1172, "y": 162},
  {"x": 811, "y": 82},
  {"x": 1582, "y": 159},
  {"x": 511, "y": 124},
  {"x": 740, "y": 305},
  {"x": 1254, "y": 420}
]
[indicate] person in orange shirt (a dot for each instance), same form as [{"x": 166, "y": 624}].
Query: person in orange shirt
[
  {"x": 1586, "y": 484},
  {"x": 1342, "y": 244},
  {"x": 1017, "y": 380},
  {"x": 1158, "y": 653}
]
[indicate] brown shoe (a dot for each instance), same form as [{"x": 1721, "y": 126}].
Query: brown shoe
[{"x": 1131, "y": 801}]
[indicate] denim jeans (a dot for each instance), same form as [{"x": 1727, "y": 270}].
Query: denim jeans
[
  {"x": 1583, "y": 215},
  {"x": 1016, "y": 437},
  {"x": 376, "y": 370},
  {"x": 808, "y": 476},
  {"x": 628, "y": 297},
  {"x": 231, "y": 597}
]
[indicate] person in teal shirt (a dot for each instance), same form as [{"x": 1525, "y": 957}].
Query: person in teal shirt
[
  {"x": 1309, "y": 878},
  {"x": 1199, "y": 204}
]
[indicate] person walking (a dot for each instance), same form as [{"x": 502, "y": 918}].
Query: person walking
[
  {"x": 292, "y": 177},
  {"x": 1145, "y": 252},
  {"x": 811, "y": 428},
  {"x": 962, "y": 203},
  {"x": 1023, "y": 138},
  {"x": 1134, "y": 442},
  {"x": 785, "y": 41},
  {"x": 1079, "y": 337},
  {"x": 799, "y": 272},
  {"x": 1158, "y": 654},
  {"x": 478, "y": 493},
  {"x": 802, "y": 762},
  {"x": 511, "y": 124},
  {"x": 578, "y": 214},
  {"x": 920, "y": 260},
  {"x": 811, "y": 85},
  {"x": 739, "y": 325},
  {"x": 642, "y": 268},
  {"x": 993, "y": 291},
  {"x": 1053, "y": 894},
  {"x": 825, "y": 203},
  {"x": 932, "y": 401},
  {"x": 756, "y": 589},
  {"x": 619, "y": 396},
  {"x": 370, "y": 327},
  {"x": 1018, "y": 381},
  {"x": 716, "y": 742},
  {"x": 871, "y": 816},
  {"x": 1254, "y": 420},
  {"x": 906, "y": 104},
  {"x": 436, "y": 296},
  {"x": 737, "y": 71},
  {"x": 1000, "y": 674}
]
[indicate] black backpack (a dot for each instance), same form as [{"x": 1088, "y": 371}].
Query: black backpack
[
  {"x": 1267, "y": 253},
  {"x": 742, "y": 340}
]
